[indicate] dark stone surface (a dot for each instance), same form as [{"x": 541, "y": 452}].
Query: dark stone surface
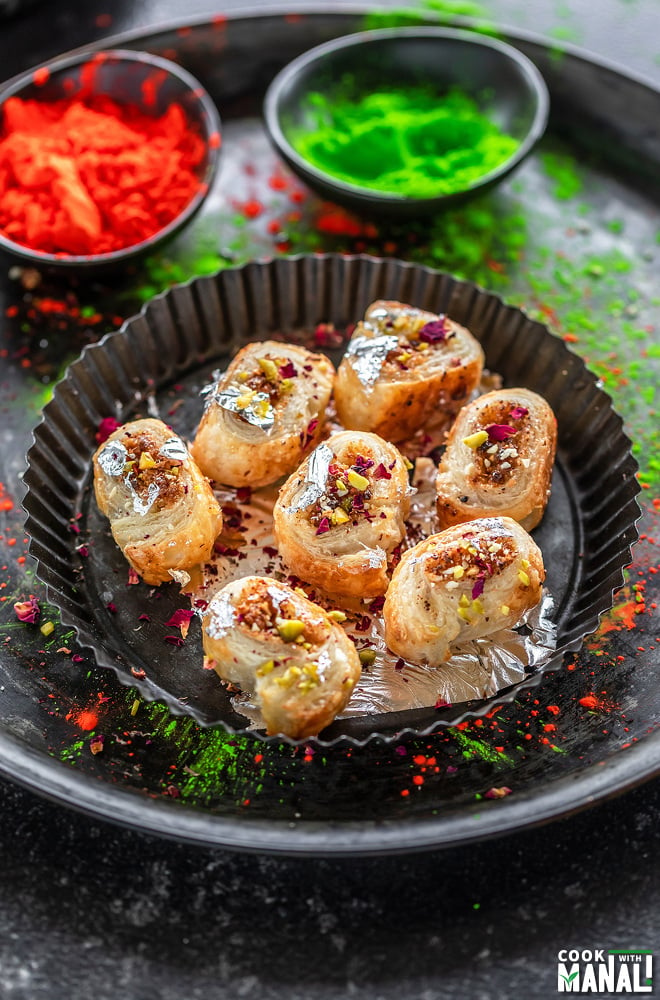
[{"x": 88, "y": 910}]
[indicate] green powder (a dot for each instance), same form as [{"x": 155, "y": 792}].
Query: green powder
[{"x": 407, "y": 142}]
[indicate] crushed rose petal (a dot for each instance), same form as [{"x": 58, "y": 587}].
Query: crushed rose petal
[
  {"x": 497, "y": 793},
  {"x": 500, "y": 432},
  {"x": 381, "y": 472},
  {"x": 324, "y": 525},
  {"x": 434, "y": 332},
  {"x": 27, "y": 611},
  {"x": 174, "y": 640},
  {"x": 107, "y": 427},
  {"x": 244, "y": 494},
  {"x": 478, "y": 588},
  {"x": 288, "y": 370},
  {"x": 518, "y": 411},
  {"x": 133, "y": 577}
]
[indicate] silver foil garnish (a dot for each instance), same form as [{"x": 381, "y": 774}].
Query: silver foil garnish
[
  {"x": 221, "y": 616},
  {"x": 174, "y": 449},
  {"x": 142, "y": 505},
  {"x": 112, "y": 458},
  {"x": 316, "y": 478},
  {"x": 368, "y": 354},
  {"x": 228, "y": 398}
]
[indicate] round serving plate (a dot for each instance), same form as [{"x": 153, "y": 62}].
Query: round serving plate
[
  {"x": 72, "y": 732},
  {"x": 159, "y": 363}
]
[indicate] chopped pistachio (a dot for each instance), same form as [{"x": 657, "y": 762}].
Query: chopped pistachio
[
  {"x": 523, "y": 577},
  {"x": 367, "y": 657},
  {"x": 464, "y": 601},
  {"x": 458, "y": 572},
  {"x": 47, "y": 628},
  {"x": 474, "y": 440},
  {"x": 357, "y": 481},
  {"x": 290, "y": 628},
  {"x": 262, "y": 407},
  {"x": 339, "y": 516},
  {"x": 245, "y": 399},
  {"x": 146, "y": 461},
  {"x": 337, "y": 616},
  {"x": 265, "y": 668},
  {"x": 269, "y": 368},
  {"x": 505, "y": 609}
]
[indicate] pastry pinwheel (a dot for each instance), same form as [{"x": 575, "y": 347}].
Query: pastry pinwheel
[
  {"x": 463, "y": 583},
  {"x": 404, "y": 370},
  {"x": 499, "y": 458},
  {"x": 284, "y": 650},
  {"x": 263, "y": 415},
  {"x": 339, "y": 516},
  {"x": 162, "y": 512}
]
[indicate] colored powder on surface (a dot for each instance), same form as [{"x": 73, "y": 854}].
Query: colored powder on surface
[
  {"x": 91, "y": 177},
  {"x": 408, "y": 142}
]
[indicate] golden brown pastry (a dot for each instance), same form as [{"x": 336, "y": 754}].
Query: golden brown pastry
[
  {"x": 498, "y": 459},
  {"x": 277, "y": 645},
  {"x": 404, "y": 369},
  {"x": 264, "y": 414},
  {"x": 162, "y": 511},
  {"x": 340, "y": 515},
  {"x": 461, "y": 584}
]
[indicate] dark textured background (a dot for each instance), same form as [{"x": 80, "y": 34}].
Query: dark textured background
[{"x": 90, "y": 911}]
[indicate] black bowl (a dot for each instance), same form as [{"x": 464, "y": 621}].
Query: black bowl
[
  {"x": 125, "y": 77},
  {"x": 517, "y": 101}
]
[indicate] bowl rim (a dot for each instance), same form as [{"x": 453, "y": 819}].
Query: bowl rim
[
  {"x": 275, "y": 89},
  {"x": 213, "y": 124}
]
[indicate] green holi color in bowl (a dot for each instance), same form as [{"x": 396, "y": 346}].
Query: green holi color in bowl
[{"x": 407, "y": 141}]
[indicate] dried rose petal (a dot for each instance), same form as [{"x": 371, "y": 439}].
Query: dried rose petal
[
  {"x": 96, "y": 744},
  {"x": 107, "y": 427},
  {"x": 382, "y": 473},
  {"x": 324, "y": 525},
  {"x": 288, "y": 370},
  {"x": 518, "y": 411},
  {"x": 174, "y": 640},
  {"x": 500, "y": 432},
  {"x": 133, "y": 577},
  {"x": 478, "y": 588},
  {"x": 180, "y": 617},
  {"x": 27, "y": 611},
  {"x": 497, "y": 793},
  {"x": 244, "y": 494},
  {"x": 361, "y": 463},
  {"x": 434, "y": 332}
]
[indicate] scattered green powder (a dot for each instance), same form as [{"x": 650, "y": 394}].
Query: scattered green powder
[{"x": 406, "y": 142}]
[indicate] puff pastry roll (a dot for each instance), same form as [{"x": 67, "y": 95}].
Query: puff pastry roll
[
  {"x": 162, "y": 511},
  {"x": 263, "y": 414},
  {"x": 498, "y": 459},
  {"x": 342, "y": 513},
  {"x": 461, "y": 584},
  {"x": 404, "y": 369},
  {"x": 283, "y": 649}
]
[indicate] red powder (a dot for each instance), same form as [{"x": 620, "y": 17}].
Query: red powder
[{"x": 93, "y": 176}]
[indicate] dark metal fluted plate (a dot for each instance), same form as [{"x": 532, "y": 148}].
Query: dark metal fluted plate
[{"x": 163, "y": 357}]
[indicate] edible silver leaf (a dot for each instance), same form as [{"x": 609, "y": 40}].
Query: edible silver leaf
[
  {"x": 142, "y": 505},
  {"x": 112, "y": 458},
  {"x": 228, "y": 398},
  {"x": 318, "y": 465},
  {"x": 220, "y": 615},
  {"x": 174, "y": 449},
  {"x": 368, "y": 355}
]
